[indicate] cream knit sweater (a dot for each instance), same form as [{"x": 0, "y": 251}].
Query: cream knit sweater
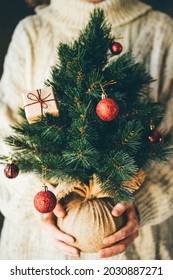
[{"x": 32, "y": 51}]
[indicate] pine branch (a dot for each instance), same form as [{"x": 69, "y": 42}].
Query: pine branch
[
  {"x": 117, "y": 166},
  {"x": 129, "y": 136},
  {"x": 136, "y": 78}
]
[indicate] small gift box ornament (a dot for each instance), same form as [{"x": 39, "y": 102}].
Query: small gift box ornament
[{"x": 38, "y": 102}]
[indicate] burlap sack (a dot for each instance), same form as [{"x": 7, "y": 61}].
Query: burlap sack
[{"x": 88, "y": 217}]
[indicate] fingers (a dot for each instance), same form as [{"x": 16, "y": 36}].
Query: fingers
[
  {"x": 66, "y": 248},
  {"x": 123, "y": 237},
  {"x": 59, "y": 210},
  {"x": 131, "y": 227},
  {"x": 119, "y": 235},
  {"x": 120, "y": 208},
  {"x": 62, "y": 241},
  {"x": 119, "y": 247},
  {"x": 48, "y": 218},
  {"x": 57, "y": 234}
]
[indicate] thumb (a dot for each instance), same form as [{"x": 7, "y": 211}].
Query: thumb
[
  {"x": 120, "y": 208},
  {"x": 59, "y": 210}
]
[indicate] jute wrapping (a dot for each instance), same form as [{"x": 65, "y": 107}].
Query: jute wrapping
[{"x": 89, "y": 217}]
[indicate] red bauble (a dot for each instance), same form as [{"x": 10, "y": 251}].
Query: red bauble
[
  {"x": 116, "y": 48},
  {"x": 11, "y": 170},
  {"x": 156, "y": 137},
  {"x": 107, "y": 109},
  {"x": 45, "y": 201}
]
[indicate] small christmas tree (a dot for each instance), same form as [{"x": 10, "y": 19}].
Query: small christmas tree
[{"x": 106, "y": 123}]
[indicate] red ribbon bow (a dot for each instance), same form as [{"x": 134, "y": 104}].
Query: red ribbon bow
[{"x": 38, "y": 99}]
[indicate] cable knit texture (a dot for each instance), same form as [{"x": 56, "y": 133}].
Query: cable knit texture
[{"x": 32, "y": 51}]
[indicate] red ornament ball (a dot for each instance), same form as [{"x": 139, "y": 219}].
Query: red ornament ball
[
  {"x": 45, "y": 201},
  {"x": 11, "y": 170},
  {"x": 107, "y": 109},
  {"x": 156, "y": 137},
  {"x": 116, "y": 48}
]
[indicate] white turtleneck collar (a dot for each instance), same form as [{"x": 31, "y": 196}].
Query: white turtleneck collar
[{"x": 75, "y": 13}]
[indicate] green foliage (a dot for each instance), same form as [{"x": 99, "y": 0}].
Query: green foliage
[{"x": 77, "y": 144}]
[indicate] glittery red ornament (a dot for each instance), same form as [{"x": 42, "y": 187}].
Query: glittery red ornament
[
  {"x": 156, "y": 137},
  {"x": 45, "y": 201},
  {"x": 116, "y": 48},
  {"x": 11, "y": 170},
  {"x": 107, "y": 109}
]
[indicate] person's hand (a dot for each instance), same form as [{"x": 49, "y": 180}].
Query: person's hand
[
  {"x": 123, "y": 237},
  {"x": 59, "y": 238}
]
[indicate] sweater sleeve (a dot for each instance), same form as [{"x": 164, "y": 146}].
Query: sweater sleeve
[
  {"x": 155, "y": 199},
  {"x": 16, "y": 195},
  {"x": 18, "y": 67}
]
